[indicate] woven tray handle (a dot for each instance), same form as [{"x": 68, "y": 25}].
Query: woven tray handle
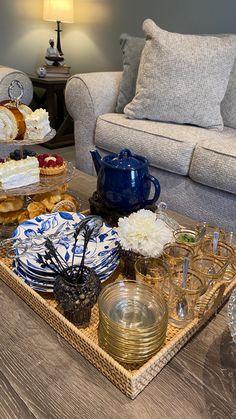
[{"x": 211, "y": 300}]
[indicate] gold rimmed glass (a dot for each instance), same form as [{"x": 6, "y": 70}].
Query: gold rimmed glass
[
  {"x": 210, "y": 230},
  {"x": 174, "y": 254},
  {"x": 224, "y": 252},
  {"x": 211, "y": 268},
  {"x": 182, "y": 299},
  {"x": 152, "y": 271},
  {"x": 230, "y": 238},
  {"x": 188, "y": 237}
]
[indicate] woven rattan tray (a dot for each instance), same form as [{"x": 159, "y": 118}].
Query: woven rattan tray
[{"x": 85, "y": 341}]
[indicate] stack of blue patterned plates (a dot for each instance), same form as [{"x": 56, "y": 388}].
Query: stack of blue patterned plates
[{"x": 102, "y": 253}]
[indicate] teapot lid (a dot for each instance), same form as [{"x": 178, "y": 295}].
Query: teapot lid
[{"x": 125, "y": 160}]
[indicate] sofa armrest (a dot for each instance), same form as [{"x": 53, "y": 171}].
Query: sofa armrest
[
  {"x": 87, "y": 96},
  {"x": 8, "y": 74},
  {"x": 92, "y": 93}
]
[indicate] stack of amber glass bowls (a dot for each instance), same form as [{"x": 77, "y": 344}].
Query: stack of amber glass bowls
[{"x": 133, "y": 321}]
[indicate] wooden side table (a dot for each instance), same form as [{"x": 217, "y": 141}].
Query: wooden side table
[{"x": 53, "y": 100}]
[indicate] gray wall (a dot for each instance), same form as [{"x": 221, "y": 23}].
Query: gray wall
[{"x": 91, "y": 43}]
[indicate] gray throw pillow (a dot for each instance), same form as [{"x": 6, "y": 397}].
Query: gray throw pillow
[
  {"x": 131, "y": 49},
  {"x": 182, "y": 78},
  {"x": 228, "y": 104}
]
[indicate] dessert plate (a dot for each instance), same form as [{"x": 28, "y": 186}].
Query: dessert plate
[{"x": 102, "y": 253}]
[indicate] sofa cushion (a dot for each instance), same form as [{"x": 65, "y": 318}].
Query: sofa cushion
[
  {"x": 131, "y": 47},
  {"x": 167, "y": 146},
  {"x": 171, "y": 87},
  {"x": 214, "y": 162}
]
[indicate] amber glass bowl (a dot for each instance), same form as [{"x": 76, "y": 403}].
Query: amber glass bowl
[{"x": 133, "y": 321}]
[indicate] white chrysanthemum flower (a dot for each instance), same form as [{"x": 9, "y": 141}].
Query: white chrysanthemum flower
[{"x": 143, "y": 233}]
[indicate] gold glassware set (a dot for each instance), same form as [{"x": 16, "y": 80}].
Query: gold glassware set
[{"x": 133, "y": 315}]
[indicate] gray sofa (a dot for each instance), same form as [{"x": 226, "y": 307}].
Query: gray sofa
[
  {"x": 7, "y": 75},
  {"x": 195, "y": 166}
]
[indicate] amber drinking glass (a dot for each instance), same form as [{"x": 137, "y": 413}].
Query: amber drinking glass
[
  {"x": 174, "y": 254},
  {"x": 230, "y": 238},
  {"x": 182, "y": 300},
  {"x": 188, "y": 237},
  {"x": 210, "y": 230},
  {"x": 152, "y": 271},
  {"x": 209, "y": 267},
  {"x": 224, "y": 252}
]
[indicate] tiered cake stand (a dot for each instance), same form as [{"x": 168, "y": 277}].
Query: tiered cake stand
[{"x": 46, "y": 183}]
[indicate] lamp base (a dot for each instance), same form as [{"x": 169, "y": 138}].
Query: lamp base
[{"x": 59, "y": 30}]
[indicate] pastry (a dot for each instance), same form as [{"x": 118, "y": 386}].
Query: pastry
[
  {"x": 51, "y": 165},
  {"x": 64, "y": 205},
  {"x": 12, "y": 123},
  {"x": 11, "y": 203},
  {"x": 48, "y": 199},
  {"x": 71, "y": 198},
  {"x": 23, "y": 216},
  {"x": 3, "y": 197},
  {"x": 9, "y": 217},
  {"x": 63, "y": 188},
  {"x": 36, "y": 208},
  {"x": 14, "y": 174},
  {"x": 37, "y": 124}
]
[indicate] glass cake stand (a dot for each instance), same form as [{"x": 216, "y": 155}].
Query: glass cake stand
[
  {"x": 46, "y": 183},
  {"x": 28, "y": 141}
]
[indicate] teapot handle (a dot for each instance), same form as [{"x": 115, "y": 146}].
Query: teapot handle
[{"x": 157, "y": 187}]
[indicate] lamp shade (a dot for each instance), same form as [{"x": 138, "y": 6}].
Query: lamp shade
[{"x": 58, "y": 10}]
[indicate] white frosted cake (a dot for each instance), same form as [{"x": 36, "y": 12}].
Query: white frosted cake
[
  {"x": 37, "y": 124},
  {"x": 14, "y": 174}
]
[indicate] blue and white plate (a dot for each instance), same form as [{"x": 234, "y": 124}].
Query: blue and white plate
[{"x": 102, "y": 253}]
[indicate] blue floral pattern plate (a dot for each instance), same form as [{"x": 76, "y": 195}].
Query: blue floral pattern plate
[{"x": 102, "y": 253}]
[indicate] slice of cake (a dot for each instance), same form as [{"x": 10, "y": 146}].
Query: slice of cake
[
  {"x": 14, "y": 174},
  {"x": 37, "y": 124},
  {"x": 24, "y": 109},
  {"x": 12, "y": 123}
]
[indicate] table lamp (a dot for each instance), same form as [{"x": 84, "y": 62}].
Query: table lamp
[{"x": 59, "y": 11}]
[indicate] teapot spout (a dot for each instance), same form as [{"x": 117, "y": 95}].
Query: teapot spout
[{"x": 96, "y": 160}]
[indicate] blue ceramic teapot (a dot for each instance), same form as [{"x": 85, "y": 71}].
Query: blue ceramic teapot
[{"x": 124, "y": 181}]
